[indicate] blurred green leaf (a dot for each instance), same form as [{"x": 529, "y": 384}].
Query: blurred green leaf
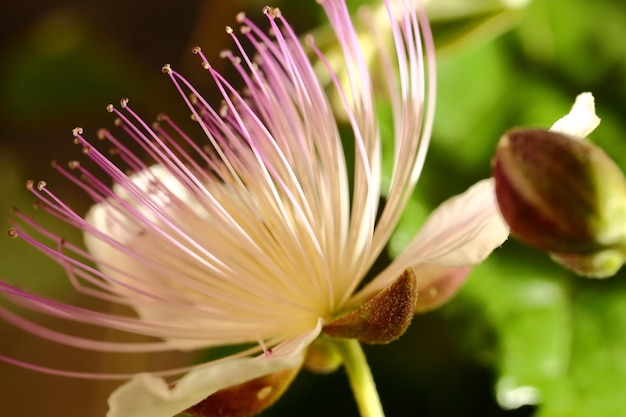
[{"x": 558, "y": 341}]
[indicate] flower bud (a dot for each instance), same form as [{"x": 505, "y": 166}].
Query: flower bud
[
  {"x": 322, "y": 356},
  {"x": 565, "y": 196}
]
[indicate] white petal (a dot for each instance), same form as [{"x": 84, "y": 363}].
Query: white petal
[
  {"x": 581, "y": 120},
  {"x": 462, "y": 231},
  {"x": 110, "y": 219},
  {"x": 437, "y": 285},
  {"x": 149, "y": 396}
]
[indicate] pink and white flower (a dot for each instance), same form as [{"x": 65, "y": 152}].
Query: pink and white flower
[{"x": 259, "y": 229}]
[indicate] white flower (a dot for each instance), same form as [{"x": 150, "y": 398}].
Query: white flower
[{"x": 261, "y": 230}]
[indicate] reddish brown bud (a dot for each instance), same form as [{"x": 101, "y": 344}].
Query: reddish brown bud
[
  {"x": 382, "y": 319},
  {"x": 563, "y": 195}
]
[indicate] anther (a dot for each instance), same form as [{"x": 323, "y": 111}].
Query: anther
[
  {"x": 117, "y": 122},
  {"x": 124, "y": 102},
  {"x": 229, "y": 29},
  {"x": 101, "y": 134},
  {"x": 12, "y": 233},
  {"x": 110, "y": 108},
  {"x": 245, "y": 29},
  {"x": 73, "y": 164},
  {"x": 41, "y": 185},
  {"x": 196, "y": 50},
  {"x": 223, "y": 108},
  {"x": 166, "y": 69},
  {"x": 273, "y": 12},
  {"x": 77, "y": 131},
  {"x": 53, "y": 163},
  {"x": 30, "y": 184},
  {"x": 161, "y": 117}
]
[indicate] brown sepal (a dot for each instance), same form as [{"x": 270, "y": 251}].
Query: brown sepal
[
  {"x": 245, "y": 399},
  {"x": 383, "y": 318}
]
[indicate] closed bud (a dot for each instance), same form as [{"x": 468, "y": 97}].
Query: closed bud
[
  {"x": 322, "y": 356},
  {"x": 565, "y": 196}
]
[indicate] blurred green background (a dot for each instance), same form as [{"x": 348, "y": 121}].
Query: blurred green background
[{"x": 523, "y": 338}]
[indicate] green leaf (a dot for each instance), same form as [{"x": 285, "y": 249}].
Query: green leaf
[{"x": 554, "y": 339}]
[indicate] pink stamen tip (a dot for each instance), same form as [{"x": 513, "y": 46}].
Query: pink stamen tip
[
  {"x": 41, "y": 185},
  {"x": 53, "y": 164},
  {"x": 30, "y": 184},
  {"x": 110, "y": 108},
  {"x": 266, "y": 10},
  {"x": 267, "y": 352},
  {"x": 166, "y": 69},
  {"x": 229, "y": 29},
  {"x": 196, "y": 50},
  {"x": 12, "y": 233},
  {"x": 245, "y": 29},
  {"x": 124, "y": 102},
  {"x": 73, "y": 164},
  {"x": 77, "y": 131},
  {"x": 274, "y": 12},
  {"x": 241, "y": 16},
  {"x": 101, "y": 134}
]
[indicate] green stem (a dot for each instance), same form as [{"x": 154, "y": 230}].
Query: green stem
[{"x": 360, "y": 378}]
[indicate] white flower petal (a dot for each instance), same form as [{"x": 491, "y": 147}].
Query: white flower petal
[
  {"x": 437, "y": 285},
  {"x": 160, "y": 185},
  {"x": 462, "y": 231},
  {"x": 581, "y": 120},
  {"x": 149, "y": 396}
]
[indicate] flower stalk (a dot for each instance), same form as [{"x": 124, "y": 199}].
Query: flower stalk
[{"x": 360, "y": 377}]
